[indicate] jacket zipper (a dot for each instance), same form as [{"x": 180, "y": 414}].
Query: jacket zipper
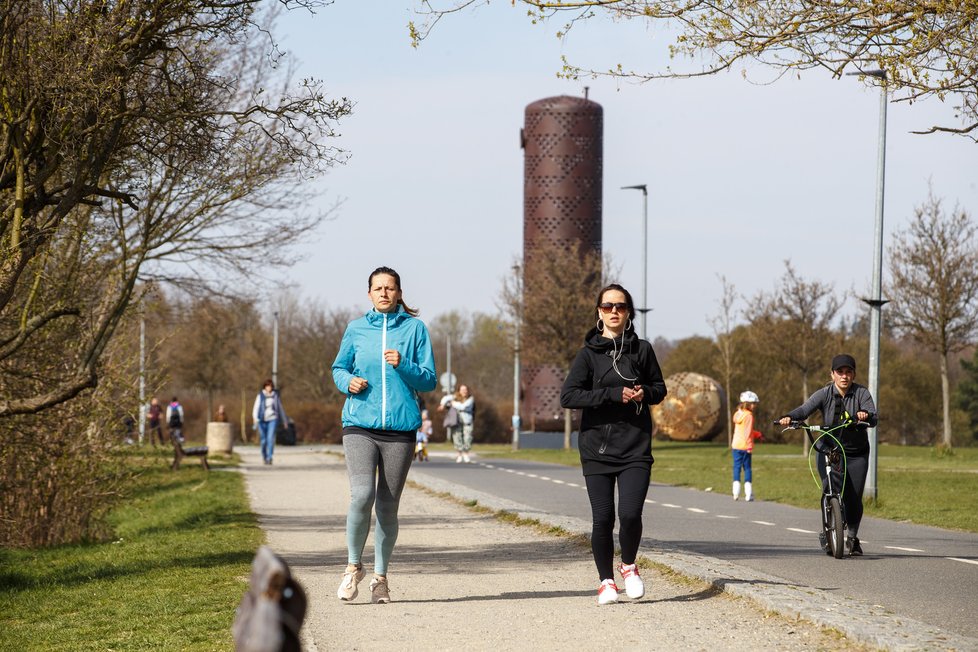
[
  {"x": 383, "y": 376},
  {"x": 604, "y": 440}
]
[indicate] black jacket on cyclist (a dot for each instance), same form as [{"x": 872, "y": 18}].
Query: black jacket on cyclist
[
  {"x": 614, "y": 436},
  {"x": 836, "y": 409}
]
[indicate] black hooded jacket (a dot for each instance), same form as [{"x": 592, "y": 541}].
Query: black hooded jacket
[{"x": 613, "y": 435}]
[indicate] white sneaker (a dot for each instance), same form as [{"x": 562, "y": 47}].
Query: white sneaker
[
  {"x": 348, "y": 587},
  {"x": 607, "y": 592},
  {"x": 458, "y": 459},
  {"x": 634, "y": 586},
  {"x": 466, "y": 459},
  {"x": 380, "y": 593}
]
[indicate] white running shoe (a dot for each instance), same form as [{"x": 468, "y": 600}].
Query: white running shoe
[
  {"x": 380, "y": 593},
  {"x": 607, "y": 592},
  {"x": 466, "y": 458},
  {"x": 458, "y": 459},
  {"x": 634, "y": 586},
  {"x": 348, "y": 587}
]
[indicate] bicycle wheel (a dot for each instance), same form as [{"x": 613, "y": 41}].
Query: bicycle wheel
[{"x": 834, "y": 530}]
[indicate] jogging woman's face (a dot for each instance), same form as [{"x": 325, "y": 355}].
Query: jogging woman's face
[
  {"x": 613, "y": 309},
  {"x": 384, "y": 293}
]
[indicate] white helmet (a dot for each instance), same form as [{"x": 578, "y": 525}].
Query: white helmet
[{"x": 749, "y": 397}]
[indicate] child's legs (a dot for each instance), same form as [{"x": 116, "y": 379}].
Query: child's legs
[
  {"x": 395, "y": 461},
  {"x": 747, "y": 466},
  {"x": 362, "y": 458},
  {"x": 738, "y": 463},
  {"x": 456, "y": 434}
]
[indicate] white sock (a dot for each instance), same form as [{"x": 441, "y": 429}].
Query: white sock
[{"x": 736, "y": 489}]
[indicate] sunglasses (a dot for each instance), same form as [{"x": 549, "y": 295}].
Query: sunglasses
[{"x": 608, "y": 307}]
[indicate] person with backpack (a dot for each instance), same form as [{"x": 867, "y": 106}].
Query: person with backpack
[
  {"x": 174, "y": 420},
  {"x": 267, "y": 413}
]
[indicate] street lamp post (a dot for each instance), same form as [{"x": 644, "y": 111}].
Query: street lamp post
[
  {"x": 275, "y": 351},
  {"x": 645, "y": 257},
  {"x": 876, "y": 302},
  {"x": 516, "y": 358}
]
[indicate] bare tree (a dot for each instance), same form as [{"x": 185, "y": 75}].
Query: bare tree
[
  {"x": 793, "y": 325},
  {"x": 934, "y": 284},
  {"x": 560, "y": 287},
  {"x": 722, "y": 324},
  {"x": 134, "y": 134},
  {"x": 925, "y": 48}
]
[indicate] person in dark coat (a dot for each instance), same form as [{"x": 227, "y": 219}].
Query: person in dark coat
[
  {"x": 844, "y": 401},
  {"x": 614, "y": 380}
]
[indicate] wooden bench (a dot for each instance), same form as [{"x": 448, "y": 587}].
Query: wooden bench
[{"x": 179, "y": 452}]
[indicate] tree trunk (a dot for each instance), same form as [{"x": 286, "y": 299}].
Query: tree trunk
[
  {"x": 804, "y": 397},
  {"x": 729, "y": 414},
  {"x": 946, "y": 401},
  {"x": 567, "y": 429}
]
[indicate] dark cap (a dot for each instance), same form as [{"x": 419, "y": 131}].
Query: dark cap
[{"x": 843, "y": 360}]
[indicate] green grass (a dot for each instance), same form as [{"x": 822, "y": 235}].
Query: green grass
[
  {"x": 170, "y": 579},
  {"x": 915, "y": 484}
]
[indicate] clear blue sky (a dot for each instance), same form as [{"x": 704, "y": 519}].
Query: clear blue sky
[{"x": 741, "y": 176}]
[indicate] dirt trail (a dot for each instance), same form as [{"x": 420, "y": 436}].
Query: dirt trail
[{"x": 464, "y": 579}]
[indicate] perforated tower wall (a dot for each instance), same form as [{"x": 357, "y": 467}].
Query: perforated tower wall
[{"x": 562, "y": 139}]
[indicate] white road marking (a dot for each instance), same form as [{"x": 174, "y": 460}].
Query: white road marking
[
  {"x": 798, "y": 529},
  {"x": 903, "y": 549},
  {"x": 543, "y": 477},
  {"x": 697, "y": 510},
  {"x": 966, "y": 561},
  {"x": 762, "y": 522},
  {"x": 558, "y": 482},
  {"x": 726, "y": 516},
  {"x": 671, "y": 505}
]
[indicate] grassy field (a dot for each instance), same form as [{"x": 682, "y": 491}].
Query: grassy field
[
  {"x": 914, "y": 483},
  {"x": 170, "y": 580}
]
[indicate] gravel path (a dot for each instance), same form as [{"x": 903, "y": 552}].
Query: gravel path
[{"x": 460, "y": 578}]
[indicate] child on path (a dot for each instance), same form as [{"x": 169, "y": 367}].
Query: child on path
[
  {"x": 424, "y": 433},
  {"x": 743, "y": 443}
]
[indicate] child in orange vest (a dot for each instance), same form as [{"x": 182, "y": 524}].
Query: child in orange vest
[{"x": 743, "y": 443}]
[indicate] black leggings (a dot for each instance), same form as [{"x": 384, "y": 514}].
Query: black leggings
[
  {"x": 633, "y": 487},
  {"x": 852, "y": 490}
]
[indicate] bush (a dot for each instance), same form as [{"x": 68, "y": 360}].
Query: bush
[{"x": 58, "y": 477}]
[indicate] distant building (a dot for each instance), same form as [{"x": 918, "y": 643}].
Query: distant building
[{"x": 562, "y": 139}]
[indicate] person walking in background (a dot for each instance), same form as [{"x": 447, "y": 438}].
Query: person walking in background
[
  {"x": 266, "y": 413},
  {"x": 221, "y": 416},
  {"x": 614, "y": 380},
  {"x": 154, "y": 414},
  {"x": 174, "y": 420},
  {"x": 843, "y": 401},
  {"x": 463, "y": 403},
  {"x": 385, "y": 359},
  {"x": 743, "y": 443}
]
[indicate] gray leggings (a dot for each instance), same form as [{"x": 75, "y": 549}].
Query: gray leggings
[{"x": 377, "y": 471}]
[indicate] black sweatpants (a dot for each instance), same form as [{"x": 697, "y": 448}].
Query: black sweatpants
[{"x": 633, "y": 487}]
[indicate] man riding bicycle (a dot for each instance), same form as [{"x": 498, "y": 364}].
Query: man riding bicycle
[{"x": 843, "y": 401}]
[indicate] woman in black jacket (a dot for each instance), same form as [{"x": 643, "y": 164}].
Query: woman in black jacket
[{"x": 615, "y": 379}]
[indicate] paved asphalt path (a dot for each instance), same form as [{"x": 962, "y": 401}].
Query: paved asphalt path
[{"x": 908, "y": 571}]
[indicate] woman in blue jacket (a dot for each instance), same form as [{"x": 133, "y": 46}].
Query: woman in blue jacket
[{"x": 384, "y": 360}]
